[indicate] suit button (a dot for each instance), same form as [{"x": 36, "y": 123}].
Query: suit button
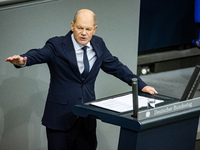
[{"x": 80, "y": 98}]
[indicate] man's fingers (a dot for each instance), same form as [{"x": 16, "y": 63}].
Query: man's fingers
[
  {"x": 17, "y": 60},
  {"x": 150, "y": 90}
]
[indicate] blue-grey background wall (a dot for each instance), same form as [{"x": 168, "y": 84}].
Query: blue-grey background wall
[{"x": 23, "y": 91}]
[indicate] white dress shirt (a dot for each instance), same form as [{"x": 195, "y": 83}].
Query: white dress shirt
[{"x": 79, "y": 54}]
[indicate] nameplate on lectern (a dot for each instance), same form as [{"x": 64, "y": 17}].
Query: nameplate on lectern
[{"x": 170, "y": 108}]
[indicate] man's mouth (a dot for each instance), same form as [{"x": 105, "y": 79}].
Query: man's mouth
[{"x": 82, "y": 38}]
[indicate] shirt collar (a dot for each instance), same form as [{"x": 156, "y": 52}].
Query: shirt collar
[{"x": 78, "y": 46}]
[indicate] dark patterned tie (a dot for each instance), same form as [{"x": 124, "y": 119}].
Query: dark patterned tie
[{"x": 86, "y": 63}]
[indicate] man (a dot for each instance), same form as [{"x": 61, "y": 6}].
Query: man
[{"x": 72, "y": 81}]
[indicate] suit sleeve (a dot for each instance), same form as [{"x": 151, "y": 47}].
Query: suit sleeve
[
  {"x": 38, "y": 56},
  {"x": 112, "y": 65}
]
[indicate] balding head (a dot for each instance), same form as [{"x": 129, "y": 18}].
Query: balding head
[{"x": 86, "y": 13}]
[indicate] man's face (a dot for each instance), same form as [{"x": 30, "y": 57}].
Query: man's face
[{"x": 83, "y": 29}]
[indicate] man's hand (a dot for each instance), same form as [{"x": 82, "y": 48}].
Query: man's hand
[
  {"x": 17, "y": 60},
  {"x": 150, "y": 90}
]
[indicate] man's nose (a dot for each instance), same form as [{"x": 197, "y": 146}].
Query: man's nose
[{"x": 84, "y": 32}]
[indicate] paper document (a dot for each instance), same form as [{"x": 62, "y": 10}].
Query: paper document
[{"x": 122, "y": 103}]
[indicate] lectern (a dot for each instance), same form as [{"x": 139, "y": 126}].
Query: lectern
[{"x": 172, "y": 125}]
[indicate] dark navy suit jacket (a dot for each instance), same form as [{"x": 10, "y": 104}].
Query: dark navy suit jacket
[{"x": 67, "y": 88}]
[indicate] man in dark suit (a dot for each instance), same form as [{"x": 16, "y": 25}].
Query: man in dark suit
[{"x": 72, "y": 81}]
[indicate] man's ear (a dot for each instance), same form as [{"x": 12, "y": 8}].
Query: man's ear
[
  {"x": 95, "y": 28},
  {"x": 72, "y": 26}
]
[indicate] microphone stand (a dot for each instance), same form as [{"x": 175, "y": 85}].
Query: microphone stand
[{"x": 135, "y": 97}]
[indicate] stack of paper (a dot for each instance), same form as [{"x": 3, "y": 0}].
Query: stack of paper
[{"x": 122, "y": 103}]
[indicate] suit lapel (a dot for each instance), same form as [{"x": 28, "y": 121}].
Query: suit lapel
[
  {"x": 69, "y": 52},
  {"x": 96, "y": 48},
  {"x": 98, "y": 52}
]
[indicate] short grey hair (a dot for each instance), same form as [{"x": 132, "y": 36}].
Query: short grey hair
[{"x": 76, "y": 16}]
